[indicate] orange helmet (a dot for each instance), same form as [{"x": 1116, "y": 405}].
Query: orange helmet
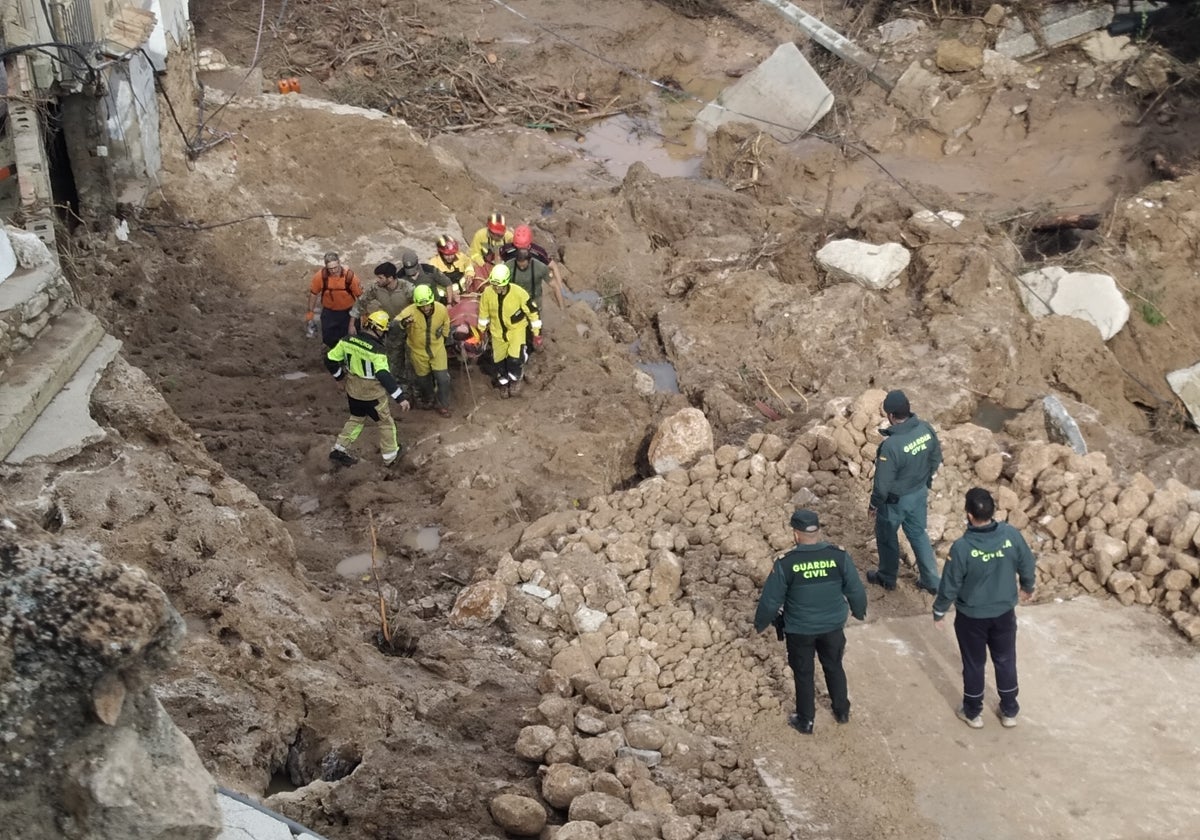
[
  {"x": 447, "y": 246},
  {"x": 522, "y": 236},
  {"x": 495, "y": 224}
]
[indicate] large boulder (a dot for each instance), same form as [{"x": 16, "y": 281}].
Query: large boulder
[
  {"x": 562, "y": 783},
  {"x": 518, "y": 815},
  {"x": 600, "y": 808},
  {"x": 479, "y": 604},
  {"x": 86, "y": 741},
  {"x": 1094, "y": 298},
  {"x": 680, "y": 441},
  {"x": 871, "y": 266}
]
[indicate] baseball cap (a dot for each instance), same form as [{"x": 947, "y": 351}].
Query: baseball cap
[
  {"x": 409, "y": 262},
  {"x": 896, "y": 403},
  {"x": 805, "y": 520}
]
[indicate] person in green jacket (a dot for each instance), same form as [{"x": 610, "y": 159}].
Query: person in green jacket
[
  {"x": 908, "y": 457},
  {"x": 806, "y": 595},
  {"x": 980, "y": 581}
]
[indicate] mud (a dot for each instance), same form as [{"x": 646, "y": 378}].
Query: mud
[{"x": 282, "y": 675}]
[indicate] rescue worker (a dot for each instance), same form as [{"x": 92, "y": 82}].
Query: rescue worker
[
  {"x": 360, "y": 361},
  {"x": 456, "y": 265},
  {"x": 507, "y": 313},
  {"x": 416, "y": 272},
  {"x": 487, "y": 241},
  {"x": 334, "y": 288},
  {"x": 389, "y": 294},
  {"x": 806, "y": 596},
  {"x": 908, "y": 458},
  {"x": 532, "y": 266},
  {"x": 980, "y": 581},
  {"x": 426, "y": 326}
]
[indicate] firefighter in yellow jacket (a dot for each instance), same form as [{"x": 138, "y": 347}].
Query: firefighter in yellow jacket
[
  {"x": 426, "y": 325},
  {"x": 506, "y": 312},
  {"x": 362, "y": 363}
]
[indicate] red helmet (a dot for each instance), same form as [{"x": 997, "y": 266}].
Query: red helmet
[
  {"x": 522, "y": 236},
  {"x": 447, "y": 246},
  {"x": 495, "y": 224}
]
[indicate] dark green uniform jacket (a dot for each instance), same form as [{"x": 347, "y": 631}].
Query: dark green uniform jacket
[
  {"x": 980, "y": 578},
  {"x": 531, "y": 278},
  {"x": 908, "y": 457},
  {"x": 812, "y": 583}
]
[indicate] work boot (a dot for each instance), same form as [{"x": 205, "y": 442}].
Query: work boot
[
  {"x": 932, "y": 590},
  {"x": 873, "y": 577},
  {"x": 340, "y": 456},
  {"x": 392, "y": 458},
  {"x": 804, "y": 727},
  {"x": 515, "y": 388},
  {"x": 443, "y": 411},
  {"x": 505, "y": 393}
]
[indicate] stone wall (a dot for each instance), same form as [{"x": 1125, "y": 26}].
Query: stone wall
[
  {"x": 31, "y": 296},
  {"x": 647, "y": 597}
]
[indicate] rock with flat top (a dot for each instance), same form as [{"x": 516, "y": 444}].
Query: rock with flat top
[
  {"x": 1094, "y": 298},
  {"x": 680, "y": 441},
  {"x": 869, "y": 265}
]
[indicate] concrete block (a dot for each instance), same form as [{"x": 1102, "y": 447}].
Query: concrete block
[
  {"x": 65, "y": 427},
  {"x": 1060, "y": 23},
  {"x": 783, "y": 96},
  {"x": 1094, "y": 298},
  {"x": 1185, "y": 382},
  {"x": 35, "y": 378}
]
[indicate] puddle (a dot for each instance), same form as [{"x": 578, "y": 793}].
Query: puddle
[
  {"x": 663, "y": 374},
  {"x": 294, "y": 375},
  {"x": 358, "y": 565},
  {"x": 993, "y": 416},
  {"x": 428, "y": 539},
  {"x": 621, "y": 141}
]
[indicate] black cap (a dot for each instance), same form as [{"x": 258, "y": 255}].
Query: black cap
[
  {"x": 896, "y": 403},
  {"x": 805, "y": 520}
]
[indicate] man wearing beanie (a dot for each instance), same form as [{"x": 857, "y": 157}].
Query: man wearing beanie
[
  {"x": 908, "y": 457},
  {"x": 812, "y": 584}
]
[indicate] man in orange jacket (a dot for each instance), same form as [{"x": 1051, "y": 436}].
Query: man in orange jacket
[{"x": 334, "y": 288}]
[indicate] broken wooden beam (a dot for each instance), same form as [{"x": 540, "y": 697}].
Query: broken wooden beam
[{"x": 1067, "y": 221}]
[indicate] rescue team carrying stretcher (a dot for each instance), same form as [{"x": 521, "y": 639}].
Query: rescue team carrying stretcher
[{"x": 482, "y": 306}]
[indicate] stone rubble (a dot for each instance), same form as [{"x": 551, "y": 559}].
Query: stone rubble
[{"x": 631, "y": 732}]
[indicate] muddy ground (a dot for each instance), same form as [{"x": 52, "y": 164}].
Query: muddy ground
[{"x": 282, "y": 683}]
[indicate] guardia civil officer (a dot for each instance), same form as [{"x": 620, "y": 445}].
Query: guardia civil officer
[
  {"x": 980, "y": 580},
  {"x": 908, "y": 457},
  {"x": 813, "y": 584}
]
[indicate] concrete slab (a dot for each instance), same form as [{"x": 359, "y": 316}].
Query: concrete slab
[
  {"x": 1060, "y": 23},
  {"x": 784, "y": 96},
  {"x": 66, "y": 426},
  {"x": 1106, "y": 748},
  {"x": 37, "y": 375},
  {"x": 23, "y": 284},
  {"x": 244, "y": 822}
]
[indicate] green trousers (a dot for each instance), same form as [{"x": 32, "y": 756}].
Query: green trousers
[{"x": 907, "y": 513}]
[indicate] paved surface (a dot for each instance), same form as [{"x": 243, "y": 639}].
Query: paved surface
[{"x": 1108, "y": 744}]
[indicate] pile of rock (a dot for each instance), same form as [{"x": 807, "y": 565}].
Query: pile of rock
[{"x": 648, "y": 596}]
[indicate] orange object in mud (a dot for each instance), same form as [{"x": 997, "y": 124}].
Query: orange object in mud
[{"x": 291, "y": 85}]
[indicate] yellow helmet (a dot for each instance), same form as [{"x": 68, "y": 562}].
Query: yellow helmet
[
  {"x": 500, "y": 275},
  {"x": 422, "y": 295},
  {"x": 378, "y": 320}
]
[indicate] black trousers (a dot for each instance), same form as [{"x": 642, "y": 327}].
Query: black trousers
[
  {"x": 335, "y": 325},
  {"x": 829, "y": 648},
  {"x": 976, "y": 638}
]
